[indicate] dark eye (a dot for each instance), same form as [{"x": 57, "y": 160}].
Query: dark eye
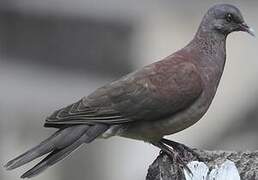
[{"x": 229, "y": 17}]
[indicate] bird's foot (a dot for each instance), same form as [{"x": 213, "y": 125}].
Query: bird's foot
[
  {"x": 183, "y": 149},
  {"x": 173, "y": 155}
]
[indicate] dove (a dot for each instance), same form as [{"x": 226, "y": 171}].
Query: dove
[{"x": 159, "y": 99}]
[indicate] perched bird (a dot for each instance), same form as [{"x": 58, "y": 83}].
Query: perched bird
[{"x": 160, "y": 99}]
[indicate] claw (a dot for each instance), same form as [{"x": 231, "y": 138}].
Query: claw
[
  {"x": 182, "y": 148},
  {"x": 173, "y": 155}
]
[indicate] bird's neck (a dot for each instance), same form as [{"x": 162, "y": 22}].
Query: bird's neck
[
  {"x": 211, "y": 45},
  {"x": 209, "y": 51},
  {"x": 209, "y": 41}
]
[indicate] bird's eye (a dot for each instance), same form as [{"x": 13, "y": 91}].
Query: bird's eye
[{"x": 229, "y": 17}]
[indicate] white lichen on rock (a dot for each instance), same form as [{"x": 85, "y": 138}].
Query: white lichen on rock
[{"x": 200, "y": 171}]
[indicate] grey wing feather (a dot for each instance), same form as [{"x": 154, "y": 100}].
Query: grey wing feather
[
  {"x": 142, "y": 95},
  {"x": 78, "y": 113}
]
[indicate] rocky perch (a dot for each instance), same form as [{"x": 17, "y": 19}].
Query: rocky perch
[{"x": 222, "y": 164}]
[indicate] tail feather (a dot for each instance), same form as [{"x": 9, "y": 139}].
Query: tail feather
[
  {"x": 59, "y": 154},
  {"x": 60, "y": 139},
  {"x": 60, "y": 145},
  {"x": 51, "y": 159}
]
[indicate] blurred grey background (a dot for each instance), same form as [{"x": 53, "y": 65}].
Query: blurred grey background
[{"x": 54, "y": 52}]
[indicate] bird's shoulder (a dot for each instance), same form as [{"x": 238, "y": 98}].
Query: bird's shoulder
[
  {"x": 156, "y": 90},
  {"x": 175, "y": 75},
  {"x": 160, "y": 88}
]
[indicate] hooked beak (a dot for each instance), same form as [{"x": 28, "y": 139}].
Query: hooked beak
[{"x": 244, "y": 27}]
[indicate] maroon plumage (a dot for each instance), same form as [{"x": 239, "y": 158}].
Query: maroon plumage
[{"x": 160, "y": 99}]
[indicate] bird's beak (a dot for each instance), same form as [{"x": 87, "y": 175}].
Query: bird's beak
[{"x": 244, "y": 27}]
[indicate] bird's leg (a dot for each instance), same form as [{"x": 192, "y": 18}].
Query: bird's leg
[
  {"x": 172, "y": 154},
  {"x": 181, "y": 148}
]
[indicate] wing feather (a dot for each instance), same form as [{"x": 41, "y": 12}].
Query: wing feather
[{"x": 151, "y": 93}]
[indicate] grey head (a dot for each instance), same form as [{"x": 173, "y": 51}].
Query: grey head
[{"x": 224, "y": 19}]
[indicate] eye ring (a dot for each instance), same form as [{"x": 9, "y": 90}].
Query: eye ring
[{"x": 229, "y": 17}]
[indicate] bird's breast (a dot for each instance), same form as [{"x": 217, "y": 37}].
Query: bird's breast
[{"x": 155, "y": 129}]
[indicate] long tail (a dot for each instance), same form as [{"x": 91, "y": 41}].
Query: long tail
[{"x": 59, "y": 145}]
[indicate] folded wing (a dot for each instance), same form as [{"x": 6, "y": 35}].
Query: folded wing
[{"x": 151, "y": 93}]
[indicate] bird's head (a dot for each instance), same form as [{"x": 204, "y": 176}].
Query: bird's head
[{"x": 224, "y": 19}]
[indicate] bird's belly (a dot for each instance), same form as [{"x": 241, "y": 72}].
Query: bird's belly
[{"x": 156, "y": 129}]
